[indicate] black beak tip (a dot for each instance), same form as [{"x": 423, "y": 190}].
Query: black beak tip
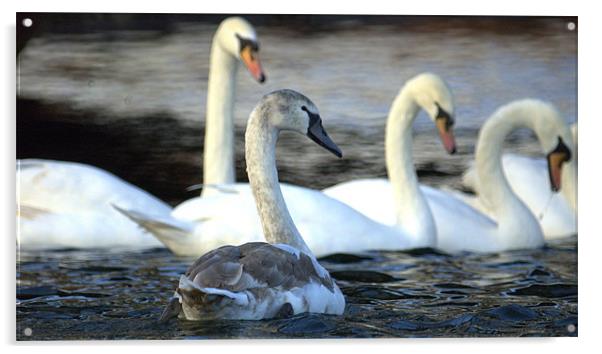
[
  {"x": 262, "y": 78},
  {"x": 453, "y": 151}
]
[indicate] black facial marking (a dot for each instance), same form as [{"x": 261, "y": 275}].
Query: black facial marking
[
  {"x": 442, "y": 114},
  {"x": 562, "y": 148},
  {"x": 313, "y": 118},
  {"x": 316, "y": 132},
  {"x": 244, "y": 42}
]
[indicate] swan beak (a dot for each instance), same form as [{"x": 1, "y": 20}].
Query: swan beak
[
  {"x": 317, "y": 133},
  {"x": 446, "y": 133},
  {"x": 556, "y": 158},
  {"x": 250, "y": 58}
]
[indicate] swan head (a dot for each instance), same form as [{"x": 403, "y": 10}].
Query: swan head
[
  {"x": 433, "y": 95},
  {"x": 556, "y": 158},
  {"x": 290, "y": 110},
  {"x": 554, "y": 137},
  {"x": 237, "y": 37}
]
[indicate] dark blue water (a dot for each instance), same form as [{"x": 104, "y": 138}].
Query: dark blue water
[{"x": 120, "y": 295}]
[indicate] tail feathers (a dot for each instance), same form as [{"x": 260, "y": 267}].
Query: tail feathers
[
  {"x": 212, "y": 294},
  {"x": 162, "y": 227}
]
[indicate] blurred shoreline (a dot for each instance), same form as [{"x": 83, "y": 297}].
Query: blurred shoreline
[
  {"x": 163, "y": 155},
  {"x": 127, "y": 92},
  {"x": 82, "y": 23}
]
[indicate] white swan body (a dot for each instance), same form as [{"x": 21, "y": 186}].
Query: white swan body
[
  {"x": 529, "y": 179},
  {"x": 460, "y": 227},
  {"x": 207, "y": 222},
  {"x": 403, "y": 202},
  {"x": 199, "y": 225},
  {"x": 260, "y": 280},
  {"x": 65, "y": 204}
]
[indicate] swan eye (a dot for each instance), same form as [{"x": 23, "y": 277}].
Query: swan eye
[
  {"x": 443, "y": 114},
  {"x": 244, "y": 43},
  {"x": 313, "y": 117},
  {"x": 562, "y": 149}
]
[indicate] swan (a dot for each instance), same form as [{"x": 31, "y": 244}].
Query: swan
[
  {"x": 402, "y": 201},
  {"x": 228, "y": 216},
  {"x": 66, "y": 204},
  {"x": 459, "y": 226},
  {"x": 260, "y": 280},
  {"x": 528, "y": 177}
]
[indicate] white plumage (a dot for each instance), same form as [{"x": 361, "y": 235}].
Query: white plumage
[
  {"x": 66, "y": 204},
  {"x": 461, "y": 227},
  {"x": 204, "y": 223},
  {"x": 529, "y": 179}
]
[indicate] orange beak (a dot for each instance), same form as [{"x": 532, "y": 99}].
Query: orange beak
[
  {"x": 446, "y": 133},
  {"x": 555, "y": 161},
  {"x": 250, "y": 58}
]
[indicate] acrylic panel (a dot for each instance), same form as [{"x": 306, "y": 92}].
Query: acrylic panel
[{"x": 126, "y": 96}]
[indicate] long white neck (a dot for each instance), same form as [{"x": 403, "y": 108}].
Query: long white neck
[
  {"x": 494, "y": 190},
  {"x": 260, "y": 146},
  {"x": 413, "y": 212},
  {"x": 218, "y": 157}
]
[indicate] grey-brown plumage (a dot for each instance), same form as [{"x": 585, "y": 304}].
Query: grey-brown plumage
[
  {"x": 263, "y": 280},
  {"x": 254, "y": 268},
  {"x": 238, "y": 268}
]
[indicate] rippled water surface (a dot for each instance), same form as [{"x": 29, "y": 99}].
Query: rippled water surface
[
  {"x": 132, "y": 101},
  {"x": 97, "y": 295}
]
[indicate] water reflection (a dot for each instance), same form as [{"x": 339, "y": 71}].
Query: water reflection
[{"x": 125, "y": 99}]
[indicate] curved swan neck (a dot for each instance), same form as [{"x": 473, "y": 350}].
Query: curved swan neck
[
  {"x": 494, "y": 189},
  {"x": 260, "y": 147},
  {"x": 218, "y": 157},
  {"x": 413, "y": 212}
]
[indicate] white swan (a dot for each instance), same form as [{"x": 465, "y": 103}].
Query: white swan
[
  {"x": 529, "y": 179},
  {"x": 261, "y": 280},
  {"x": 402, "y": 202},
  {"x": 234, "y": 39},
  {"x": 228, "y": 217},
  {"x": 460, "y": 227},
  {"x": 65, "y": 204}
]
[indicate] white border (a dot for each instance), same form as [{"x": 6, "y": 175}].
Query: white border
[{"x": 589, "y": 172}]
